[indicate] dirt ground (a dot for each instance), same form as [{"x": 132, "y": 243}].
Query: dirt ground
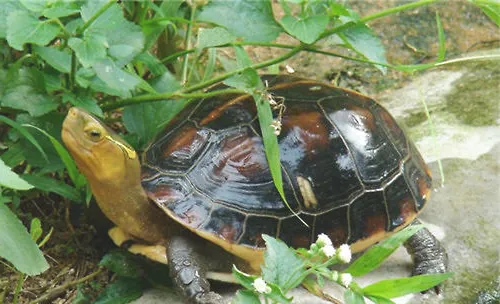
[{"x": 79, "y": 239}]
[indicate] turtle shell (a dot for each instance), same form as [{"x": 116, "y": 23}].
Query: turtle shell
[{"x": 348, "y": 169}]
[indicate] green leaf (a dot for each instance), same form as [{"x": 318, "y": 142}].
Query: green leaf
[
  {"x": 116, "y": 78},
  {"x": 361, "y": 39},
  {"x": 6, "y": 8},
  {"x": 16, "y": 245},
  {"x": 86, "y": 102},
  {"x": 121, "y": 291},
  {"x": 23, "y": 27},
  {"x": 34, "y": 6},
  {"x": 156, "y": 67},
  {"x": 306, "y": 29},
  {"x": 380, "y": 300},
  {"x": 14, "y": 155},
  {"x": 491, "y": 8},
  {"x": 51, "y": 185},
  {"x": 27, "y": 98},
  {"x": 61, "y": 8},
  {"x": 36, "y": 229},
  {"x": 89, "y": 50},
  {"x": 213, "y": 37},
  {"x": 24, "y": 89},
  {"x": 245, "y": 297},
  {"x": 59, "y": 60},
  {"x": 276, "y": 294},
  {"x": 146, "y": 119},
  {"x": 23, "y": 132},
  {"x": 123, "y": 39},
  {"x": 248, "y": 19},
  {"x": 122, "y": 263},
  {"x": 75, "y": 176},
  {"x": 373, "y": 257},
  {"x": 352, "y": 297},
  {"x": 394, "y": 288},
  {"x": 281, "y": 265},
  {"x": 11, "y": 180}
]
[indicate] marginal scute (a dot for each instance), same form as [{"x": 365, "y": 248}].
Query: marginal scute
[
  {"x": 255, "y": 227},
  {"x": 367, "y": 215},
  {"x": 400, "y": 203},
  {"x": 166, "y": 190},
  {"x": 293, "y": 232},
  {"x": 225, "y": 223},
  {"x": 193, "y": 210}
]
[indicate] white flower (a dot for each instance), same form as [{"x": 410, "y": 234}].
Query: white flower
[
  {"x": 328, "y": 250},
  {"x": 334, "y": 275},
  {"x": 260, "y": 286},
  {"x": 323, "y": 240},
  {"x": 344, "y": 253},
  {"x": 345, "y": 279},
  {"x": 276, "y": 125}
]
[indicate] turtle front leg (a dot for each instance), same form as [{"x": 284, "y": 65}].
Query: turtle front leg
[
  {"x": 427, "y": 253},
  {"x": 124, "y": 240},
  {"x": 188, "y": 271}
]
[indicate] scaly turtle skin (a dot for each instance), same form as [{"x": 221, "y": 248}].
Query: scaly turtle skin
[{"x": 348, "y": 170}]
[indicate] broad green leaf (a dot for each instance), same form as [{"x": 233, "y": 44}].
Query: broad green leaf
[
  {"x": 59, "y": 60},
  {"x": 14, "y": 155},
  {"x": 307, "y": 29},
  {"x": 121, "y": 291},
  {"x": 35, "y": 229},
  {"x": 11, "y": 180},
  {"x": 155, "y": 66},
  {"x": 24, "y": 133},
  {"x": 89, "y": 50},
  {"x": 281, "y": 265},
  {"x": 491, "y": 8},
  {"x": 116, "y": 78},
  {"x": 61, "y": 8},
  {"x": 123, "y": 39},
  {"x": 373, "y": 257},
  {"x": 213, "y": 37},
  {"x": 361, "y": 39},
  {"x": 123, "y": 264},
  {"x": 5, "y": 9},
  {"x": 394, "y": 288},
  {"x": 245, "y": 297},
  {"x": 276, "y": 294},
  {"x": 27, "y": 98},
  {"x": 352, "y": 297},
  {"x": 146, "y": 119},
  {"x": 24, "y": 89},
  {"x": 23, "y": 27},
  {"x": 248, "y": 19},
  {"x": 51, "y": 185},
  {"x": 86, "y": 102},
  {"x": 34, "y": 6},
  {"x": 16, "y": 245},
  {"x": 78, "y": 179}
]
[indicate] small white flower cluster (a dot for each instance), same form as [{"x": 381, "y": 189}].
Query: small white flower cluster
[
  {"x": 324, "y": 244},
  {"x": 277, "y": 104},
  {"x": 261, "y": 286}
]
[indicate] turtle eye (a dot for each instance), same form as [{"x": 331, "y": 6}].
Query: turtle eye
[{"x": 94, "y": 134}]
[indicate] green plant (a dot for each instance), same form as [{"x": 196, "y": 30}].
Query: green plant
[{"x": 147, "y": 60}]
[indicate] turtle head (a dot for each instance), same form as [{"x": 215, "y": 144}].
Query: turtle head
[{"x": 100, "y": 154}]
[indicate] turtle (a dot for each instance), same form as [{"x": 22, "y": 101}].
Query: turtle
[{"x": 201, "y": 195}]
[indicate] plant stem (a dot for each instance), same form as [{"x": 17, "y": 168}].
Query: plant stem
[
  {"x": 18, "y": 288},
  {"x": 188, "y": 45},
  {"x": 72, "y": 75},
  {"x": 49, "y": 294},
  {"x": 164, "y": 96},
  {"x": 95, "y": 16},
  {"x": 396, "y": 9}
]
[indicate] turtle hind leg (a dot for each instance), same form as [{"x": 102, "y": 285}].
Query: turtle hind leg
[
  {"x": 427, "y": 253},
  {"x": 189, "y": 272}
]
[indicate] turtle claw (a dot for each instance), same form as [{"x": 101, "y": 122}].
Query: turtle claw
[{"x": 208, "y": 298}]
